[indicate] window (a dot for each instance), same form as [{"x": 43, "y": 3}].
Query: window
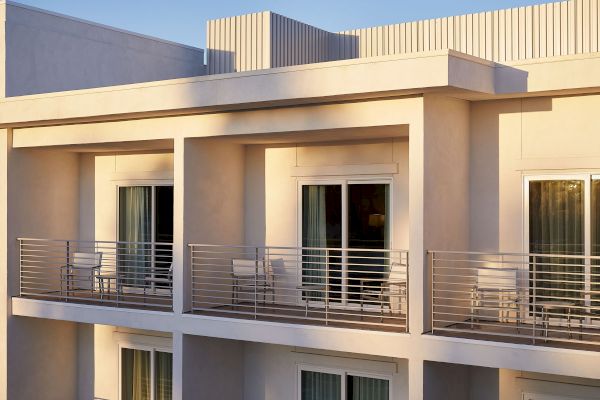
[
  {"x": 564, "y": 219},
  {"x": 344, "y": 215},
  {"x": 145, "y": 227},
  {"x": 146, "y": 374},
  {"x": 325, "y": 384}
]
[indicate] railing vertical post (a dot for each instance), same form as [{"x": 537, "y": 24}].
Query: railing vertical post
[
  {"x": 68, "y": 269},
  {"x": 432, "y": 275},
  {"x": 21, "y": 268},
  {"x": 534, "y": 269},
  {"x": 256, "y": 283},
  {"x": 327, "y": 287},
  {"x": 191, "y": 277},
  {"x": 406, "y": 294}
]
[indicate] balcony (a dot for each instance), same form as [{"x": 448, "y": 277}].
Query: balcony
[
  {"x": 340, "y": 287},
  {"x": 545, "y": 299},
  {"x": 112, "y": 274}
]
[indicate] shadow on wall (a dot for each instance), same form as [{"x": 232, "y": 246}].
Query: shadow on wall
[{"x": 332, "y": 47}]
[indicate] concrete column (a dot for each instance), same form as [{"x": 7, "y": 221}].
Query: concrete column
[
  {"x": 85, "y": 361},
  {"x": 181, "y": 275},
  {"x": 178, "y": 365},
  {"x": 5, "y": 139},
  {"x": 417, "y": 263},
  {"x": 415, "y": 379}
]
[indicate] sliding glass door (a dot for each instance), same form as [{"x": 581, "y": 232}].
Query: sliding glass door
[
  {"x": 556, "y": 226},
  {"x": 564, "y": 219},
  {"x": 146, "y": 374},
  {"x": 344, "y": 215},
  {"x": 318, "y": 384},
  {"x": 145, "y": 219}
]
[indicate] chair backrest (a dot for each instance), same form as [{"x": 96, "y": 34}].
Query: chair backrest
[
  {"x": 500, "y": 278},
  {"x": 276, "y": 269},
  {"x": 86, "y": 260},
  {"x": 244, "y": 267}
]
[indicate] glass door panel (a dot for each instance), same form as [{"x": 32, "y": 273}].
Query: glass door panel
[
  {"x": 556, "y": 226},
  {"x": 320, "y": 386},
  {"x": 368, "y": 228},
  {"x": 163, "y": 376},
  {"x": 135, "y": 231},
  {"x": 163, "y": 232},
  {"x": 322, "y": 228},
  {"x": 363, "y": 388},
  {"x": 135, "y": 374},
  {"x": 595, "y": 246}
]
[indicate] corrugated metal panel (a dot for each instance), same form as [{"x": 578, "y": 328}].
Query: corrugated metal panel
[
  {"x": 266, "y": 40},
  {"x": 552, "y": 29},
  {"x": 295, "y": 43}
]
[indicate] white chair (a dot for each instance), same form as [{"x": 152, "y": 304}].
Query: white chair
[
  {"x": 152, "y": 281},
  {"x": 389, "y": 293},
  {"x": 251, "y": 276},
  {"x": 496, "y": 290},
  {"x": 81, "y": 271}
]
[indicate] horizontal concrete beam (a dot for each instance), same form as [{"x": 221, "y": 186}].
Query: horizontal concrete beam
[{"x": 339, "y": 80}]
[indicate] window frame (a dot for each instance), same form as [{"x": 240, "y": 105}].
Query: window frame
[
  {"x": 344, "y": 182},
  {"x": 151, "y": 184},
  {"x": 344, "y": 373},
  {"x": 587, "y": 178},
  {"x": 144, "y": 343}
]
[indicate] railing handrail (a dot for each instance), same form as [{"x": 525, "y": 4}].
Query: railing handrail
[
  {"x": 515, "y": 254},
  {"x": 299, "y": 248},
  {"x": 346, "y": 286},
  {"x": 22, "y": 239}
]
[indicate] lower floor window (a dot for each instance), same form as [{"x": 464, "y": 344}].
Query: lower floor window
[
  {"x": 316, "y": 385},
  {"x": 146, "y": 374}
]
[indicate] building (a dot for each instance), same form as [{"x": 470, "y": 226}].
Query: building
[{"x": 400, "y": 212}]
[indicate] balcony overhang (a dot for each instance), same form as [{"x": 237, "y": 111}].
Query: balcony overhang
[{"x": 348, "y": 80}]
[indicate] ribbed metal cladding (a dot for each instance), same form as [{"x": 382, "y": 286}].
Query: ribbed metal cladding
[
  {"x": 545, "y": 30},
  {"x": 267, "y": 40}
]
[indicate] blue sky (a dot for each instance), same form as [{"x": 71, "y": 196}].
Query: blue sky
[{"x": 184, "y": 21}]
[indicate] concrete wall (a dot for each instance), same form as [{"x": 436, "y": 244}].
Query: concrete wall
[
  {"x": 460, "y": 382},
  {"x": 511, "y": 139},
  {"x": 46, "y": 52},
  {"x": 45, "y": 204},
  {"x": 108, "y": 173},
  {"x": 285, "y": 167},
  {"x": 106, "y": 355},
  {"x": 271, "y": 372},
  {"x": 212, "y": 369},
  {"x": 513, "y": 384}
]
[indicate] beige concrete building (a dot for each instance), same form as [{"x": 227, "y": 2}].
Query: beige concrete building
[{"x": 409, "y": 211}]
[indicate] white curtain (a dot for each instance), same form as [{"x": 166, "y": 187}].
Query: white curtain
[
  {"x": 135, "y": 374},
  {"x": 361, "y": 388},
  {"x": 320, "y": 386},
  {"x": 316, "y": 236},
  {"x": 135, "y": 229},
  {"x": 163, "y": 375}
]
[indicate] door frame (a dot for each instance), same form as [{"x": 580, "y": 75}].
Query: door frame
[
  {"x": 587, "y": 184},
  {"x": 344, "y": 182}
]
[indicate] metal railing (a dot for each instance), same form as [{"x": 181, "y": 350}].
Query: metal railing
[
  {"x": 356, "y": 288},
  {"x": 118, "y": 274},
  {"x": 525, "y": 298}
]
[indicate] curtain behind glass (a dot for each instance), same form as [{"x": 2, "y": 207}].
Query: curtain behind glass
[
  {"x": 361, "y": 388},
  {"x": 135, "y": 226},
  {"x": 595, "y": 239},
  {"x": 163, "y": 375},
  {"x": 135, "y": 374},
  {"x": 556, "y": 226},
  {"x": 320, "y": 386},
  {"x": 315, "y": 235}
]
